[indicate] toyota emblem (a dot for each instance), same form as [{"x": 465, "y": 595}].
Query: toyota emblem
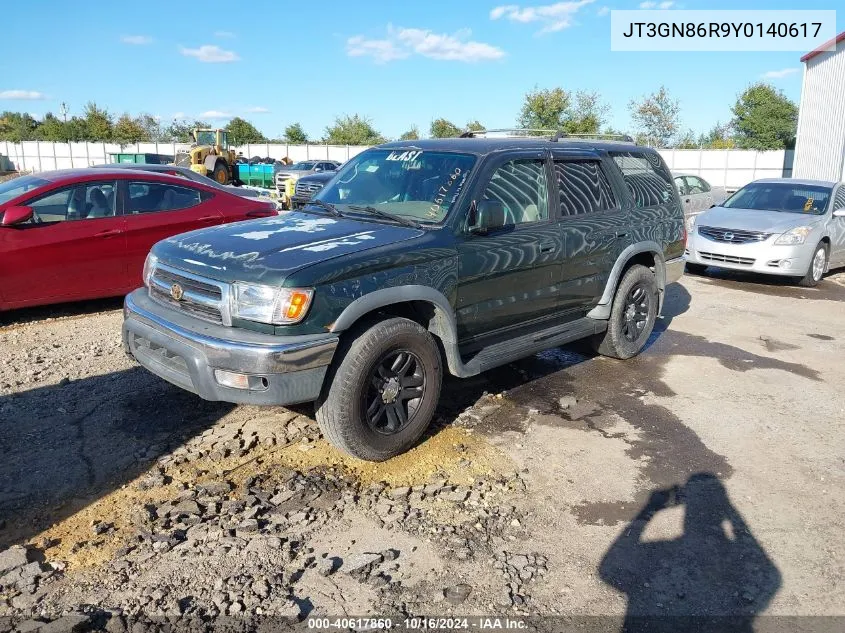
[{"x": 176, "y": 292}]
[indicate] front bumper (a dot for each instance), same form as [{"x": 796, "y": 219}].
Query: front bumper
[
  {"x": 757, "y": 257},
  {"x": 185, "y": 351}
]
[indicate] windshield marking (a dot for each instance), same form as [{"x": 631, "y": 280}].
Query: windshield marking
[{"x": 406, "y": 156}]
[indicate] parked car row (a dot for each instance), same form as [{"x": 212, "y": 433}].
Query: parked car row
[{"x": 287, "y": 177}]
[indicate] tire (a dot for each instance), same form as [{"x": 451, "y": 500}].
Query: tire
[
  {"x": 626, "y": 337},
  {"x": 220, "y": 173},
  {"x": 816, "y": 269},
  {"x": 365, "y": 374},
  {"x": 696, "y": 269}
]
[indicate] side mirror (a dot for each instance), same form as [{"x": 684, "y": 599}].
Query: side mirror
[
  {"x": 839, "y": 213},
  {"x": 489, "y": 216},
  {"x": 318, "y": 169},
  {"x": 16, "y": 215}
]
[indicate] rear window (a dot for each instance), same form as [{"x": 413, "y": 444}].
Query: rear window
[
  {"x": 648, "y": 180},
  {"x": 15, "y": 187}
]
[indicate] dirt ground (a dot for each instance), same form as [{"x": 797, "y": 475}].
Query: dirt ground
[{"x": 704, "y": 477}]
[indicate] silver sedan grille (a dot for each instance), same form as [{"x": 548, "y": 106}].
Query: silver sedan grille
[{"x": 732, "y": 236}]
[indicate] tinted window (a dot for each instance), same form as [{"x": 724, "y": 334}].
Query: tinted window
[
  {"x": 697, "y": 185},
  {"x": 521, "y": 186},
  {"x": 583, "y": 188},
  {"x": 81, "y": 202},
  {"x": 648, "y": 181},
  {"x": 149, "y": 197}
]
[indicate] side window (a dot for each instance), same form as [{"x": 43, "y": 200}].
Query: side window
[
  {"x": 697, "y": 185},
  {"x": 583, "y": 188},
  {"x": 839, "y": 200},
  {"x": 681, "y": 184},
  {"x": 648, "y": 181},
  {"x": 81, "y": 202},
  {"x": 151, "y": 197},
  {"x": 521, "y": 186}
]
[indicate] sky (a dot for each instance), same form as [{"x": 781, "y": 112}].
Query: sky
[{"x": 397, "y": 63}]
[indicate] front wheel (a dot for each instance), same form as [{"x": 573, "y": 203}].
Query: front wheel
[
  {"x": 220, "y": 173},
  {"x": 817, "y": 267},
  {"x": 382, "y": 390},
  {"x": 632, "y": 316}
]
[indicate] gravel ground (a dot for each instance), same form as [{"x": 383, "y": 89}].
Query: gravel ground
[{"x": 704, "y": 477}]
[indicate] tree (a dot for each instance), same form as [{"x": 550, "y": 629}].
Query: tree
[
  {"x": 52, "y": 128},
  {"x": 555, "y": 109},
  {"x": 411, "y": 135},
  {"x": 295, "y": 134},
  {"x": 179, "y": 130},
  {"x": 687, "y": 140},
  {"x": 719, "y": 137},
  {"x": 241, "y": 132},
  {"x": 128, "y": 130},
  {"x": 764, "y": 118},
  {"x": 98, "y": 123},
  {"x": 352, "y": 130},
  {"x": 658, "y": 117},
  {"x": 17, "y": 126},
  {"x": 474, "y": 126},
  {"x": 152, "y": 128},
  {"x": 442, "y": 128}
]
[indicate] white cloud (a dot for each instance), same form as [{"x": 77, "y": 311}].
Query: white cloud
[
  {"x": 226, "y": 35},
  {"x": 258, "y": 110},
  {"x": 210, "y": 54},
  {"x": 401, "y": 43},
  {"x": 136, "y": 40},
  {"x": 215, "y": 114},
  {"x": 553, "y": 17},
  {"x": 780, "y": 74},
  {"x": 21, "y": 95},
  {"x": 668, "y": 4},
  {"x": 178, "y": 115},
  {"x": 603, "y": 11}
]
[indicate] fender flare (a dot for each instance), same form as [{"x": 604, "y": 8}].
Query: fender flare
[
  {"x": 602, "y": 310},
  {"x": 443, "y": 325}
]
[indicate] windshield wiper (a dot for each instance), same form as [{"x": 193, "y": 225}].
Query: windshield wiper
[
  {"x": 384, "y": 214},
  {"x": 328, "y": 206}
]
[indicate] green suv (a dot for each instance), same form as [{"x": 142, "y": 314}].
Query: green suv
[{"x": 418, "y": 258}]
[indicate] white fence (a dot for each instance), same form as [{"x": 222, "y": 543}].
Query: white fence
[
  {"x": 721, "y": 168},
  {"x": 730, "y": 168},
  {"x": 46, "y": 155}
]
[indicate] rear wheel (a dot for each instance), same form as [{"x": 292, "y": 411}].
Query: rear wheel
[
  {"x": 220, "y": 173},
  {"x": 817, "y": 267},
  {"x": 632, "y": 315},
  {"x": 381, "y": 392}
]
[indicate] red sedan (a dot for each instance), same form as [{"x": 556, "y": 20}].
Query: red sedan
[{"x": 84, "y": 233}]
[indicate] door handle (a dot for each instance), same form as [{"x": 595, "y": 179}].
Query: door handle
[
  {"x": 687, "y": 200},
  {"x": 109, "y": 233},
  {"x": 621, "y": 234},
  {"x": 547, "y": 247}
]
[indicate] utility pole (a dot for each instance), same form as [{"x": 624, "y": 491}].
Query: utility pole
[{"x": 63, "y": 110}]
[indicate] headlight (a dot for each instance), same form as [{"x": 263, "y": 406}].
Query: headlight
[
  {"x": 794, "y": 236},
  {"x": 149, "y": 268},
  {"x": 270, "y": 304},
  {"x": 691, "y": 223}
]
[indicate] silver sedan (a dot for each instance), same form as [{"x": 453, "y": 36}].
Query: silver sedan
[
  {"x": 697, "y": 195},
  {"x": 778, "y": 226}
]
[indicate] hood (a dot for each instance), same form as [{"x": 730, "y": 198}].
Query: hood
[
  {"x": 322, "y": 177},
  {"x": 755, "y": 220},
  {"x": 267, "y": 250}
]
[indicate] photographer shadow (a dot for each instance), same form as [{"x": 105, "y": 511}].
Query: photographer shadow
[{"x": 714, "y": 577}]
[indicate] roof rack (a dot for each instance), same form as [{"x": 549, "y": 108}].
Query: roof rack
[{"x": 554, "y": 135}]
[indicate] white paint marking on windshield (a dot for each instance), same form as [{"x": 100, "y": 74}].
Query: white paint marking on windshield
[{"x": 404, "y": 157}]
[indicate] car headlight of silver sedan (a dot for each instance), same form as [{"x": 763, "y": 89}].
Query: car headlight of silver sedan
[
  {"x": 794, "y": 236},
  {"x": 270, "y": 304}
]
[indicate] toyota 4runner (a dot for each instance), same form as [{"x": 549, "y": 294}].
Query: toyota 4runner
[{"x": 419, "y": 258}]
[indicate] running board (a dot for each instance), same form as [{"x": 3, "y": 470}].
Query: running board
[{"x": 526, "y": 345}]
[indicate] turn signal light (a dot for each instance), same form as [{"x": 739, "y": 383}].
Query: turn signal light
[{"x": 298, "y": 303}]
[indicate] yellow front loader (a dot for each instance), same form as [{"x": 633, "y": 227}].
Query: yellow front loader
[{"x": 211, "y": 156}]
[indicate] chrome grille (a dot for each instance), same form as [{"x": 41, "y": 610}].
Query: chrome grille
[
  {"x": 732, "y": 236},
  {"x": 307, "y": 189},
  {"x": 205, "y": 299},
  {"x": 727, "y": 259}
]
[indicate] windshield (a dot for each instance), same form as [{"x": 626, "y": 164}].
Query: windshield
[
  {"x": 416, "y": 184},
  {"x": 206, "y": 138},
  {"x": 781, "y": 196},
  {"x": 303, "y": 166},
  {"x": 18, "y": 186}
]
